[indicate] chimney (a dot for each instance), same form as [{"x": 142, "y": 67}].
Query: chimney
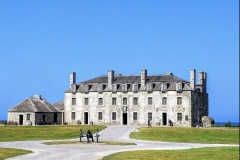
[
  {"x": 37, "y": 97},
  {"x": 143, "y": 77},
  {"x": 192, "y": 79},
  {"x": 205, "y": 81},
  {"x": 110, "y": 77},
  {"x": 200, "y": 77},
  {"x": 72, "y": 78}
]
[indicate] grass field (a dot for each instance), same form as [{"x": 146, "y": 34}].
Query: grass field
[
  {"x": 216, "y": 153},
  {"x": 166, "y": 134},
  {"x": 25, "y": 133},
  {"x": 191, "y": 135},
  {"x": 11, "y": 152}
]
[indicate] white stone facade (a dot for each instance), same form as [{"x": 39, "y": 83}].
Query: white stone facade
[{"x": 182, "y": 106}]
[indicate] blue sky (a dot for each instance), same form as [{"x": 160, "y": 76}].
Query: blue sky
[{"x": 41, "y": 42}]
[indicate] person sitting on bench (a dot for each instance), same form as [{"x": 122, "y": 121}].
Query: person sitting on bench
[{"x": 89, "y": 135}]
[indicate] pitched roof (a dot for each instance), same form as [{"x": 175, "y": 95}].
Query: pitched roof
[
  {"x": 34, "y": 105},
  {"x": 119, "y": 80},
  {"x": 59, "y": 105}
]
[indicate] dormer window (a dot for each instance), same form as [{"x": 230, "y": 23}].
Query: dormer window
[
  {"x": 86, "y": 88},
  {"x": 149, "y": 87},
  {"x": 135, "y": 87},
  {"x": 100, "y": 88},
  {"x": 114, "y": 88},
  {"x": 179, "y": 86},
  {"x": 164, "y": 87},
  {"x": 124, "y": 87},
  {"x": 73, "y": 88}
]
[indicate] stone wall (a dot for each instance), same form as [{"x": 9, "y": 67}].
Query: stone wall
[
  {"x": 142, "y": 109},
  {"x": 35, "y": 118}
]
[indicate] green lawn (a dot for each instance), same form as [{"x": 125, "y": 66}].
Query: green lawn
[
  {"x": 11, "y": 152},
  {"x": 216, "y": 153},
  {"x": 191, "y": 135},
  {"x": 25, "y": 133}
]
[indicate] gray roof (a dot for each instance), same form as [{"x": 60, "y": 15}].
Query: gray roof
[
  {"x": 170, "y": 79},
  {"x": 34, "y": 105},
  {"x": 59, "y": 105}
]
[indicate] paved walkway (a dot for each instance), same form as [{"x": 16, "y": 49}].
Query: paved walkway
[{"x": 95, "y": 151}]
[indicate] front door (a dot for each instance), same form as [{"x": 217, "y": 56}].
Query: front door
[
  {"x": 164, "y": 118},
  {"x": 85, "y": 117},
  {"x": 124, "y": 119},
  {"x": 55, "y": 117},
  {"x": 20, "y": 119}
]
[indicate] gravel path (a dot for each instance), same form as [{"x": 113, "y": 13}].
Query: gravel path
[{"x": 95, "y": 151}]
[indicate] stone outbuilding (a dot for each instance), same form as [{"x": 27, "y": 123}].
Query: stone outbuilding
[
  {"x": 34, "y": 111},
  {"x": 207, "y": 121}
]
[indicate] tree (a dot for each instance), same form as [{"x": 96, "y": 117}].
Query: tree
[{"x": 228, "y": 124}]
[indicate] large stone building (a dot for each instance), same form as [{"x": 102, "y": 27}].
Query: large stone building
[
  {"x": 34, "y": 111},
  {"x": 133, "y": 100}
]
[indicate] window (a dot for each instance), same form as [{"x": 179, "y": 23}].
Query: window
[
  {"x": 150, "y": 115},
  {"x": 135, "y": 101},
  {"x": 86, "y": 88},
  {"x": 135, "y": 87},
  {"x": 149, "y": 100},
  {"x": 100, "y": 88},
  {"x": 179, "y": 100},
  {"x": 100, "y": 101},
  {"x": 134, "y": 116},
  {"x": 73, "y": 115},
  {"x": 179, "y": 86},
  {"x": 164, "y": 86},
  {"x": 113, "y": 115},
  {"x": 124, "y": 101},
  {"x": 86, "y": 101},
  {"x": 124, "y": 87},
  {"x": 73, "y": 101},
  {"x": 179, "y": 116},
  {"x": 164, "y": 101},
  {"x": 28, "y": 117},
  {"x": 99, "y": 115},
  {"x": 114, "y": 88},
  {"x": 149, "y": 87},
  {"x": 186, "y": 118},
  {"x": 114, "y": 101}
]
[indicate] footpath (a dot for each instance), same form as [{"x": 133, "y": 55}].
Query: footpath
[{"x": 95, "y": 151}]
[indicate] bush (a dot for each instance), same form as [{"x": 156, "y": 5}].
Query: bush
[
  {"x": 12, "y": 123},
  {"x": 217, "y": 125},
  {"x": 228, "y": 124}
]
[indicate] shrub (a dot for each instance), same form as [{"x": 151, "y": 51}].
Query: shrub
[
  {"x": 228, "y": 124},
  {"x": 12, "y": 123}
]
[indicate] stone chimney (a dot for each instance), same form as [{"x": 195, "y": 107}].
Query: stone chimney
[
  {"x": 143, "y": 77},
  {"x": 72, "y": 78},
  {"x": 200, "y": 77},
  {"x": 37, "y": 97},
  {"x": 193, "y": 79},
  {"x": 110, "y": 77},
  {"x": 205, "y": 81}
]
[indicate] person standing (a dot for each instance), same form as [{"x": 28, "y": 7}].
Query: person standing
[{"x": 149, "y": 123}]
